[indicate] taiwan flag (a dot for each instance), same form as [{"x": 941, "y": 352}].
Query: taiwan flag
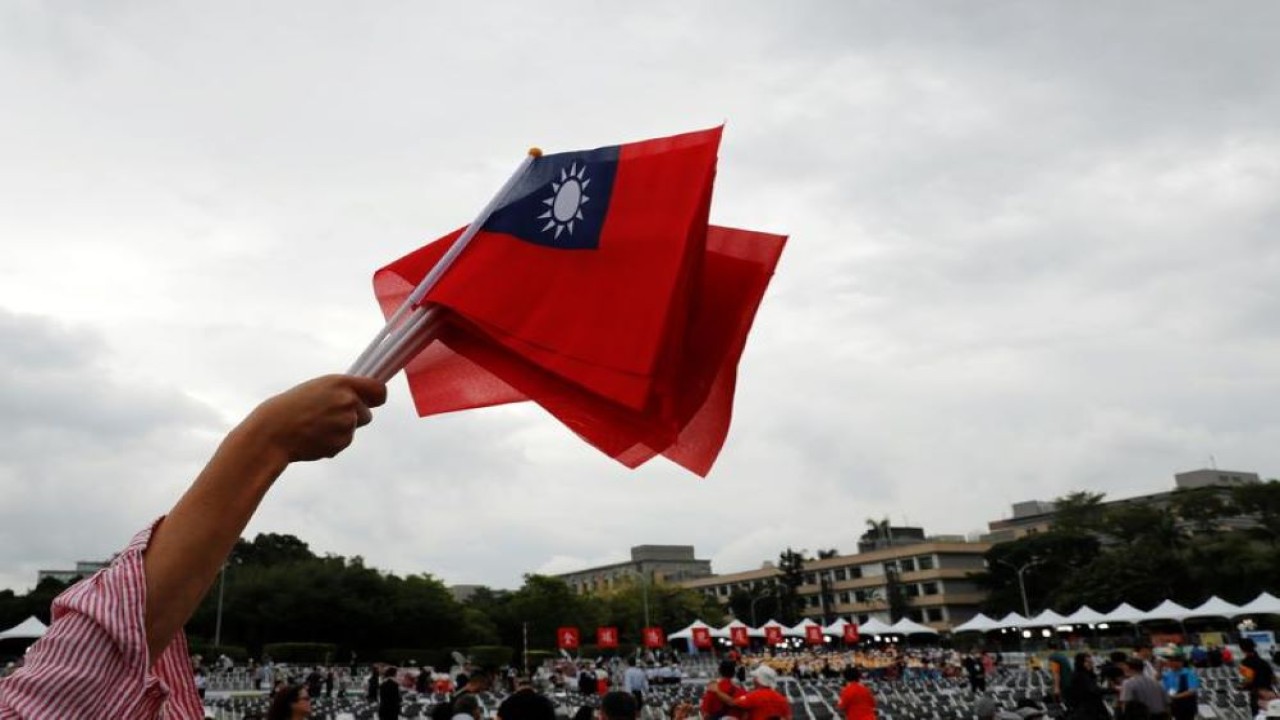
[
  {"x": 813, "y": 634},
  {"x": 567, "y": 638},
  {"x": 599, "y": 291},
  {"x": 607, "y": 637},
  {"x": 738, "y": 636},
  {"x": 654, "y": 638},
  {"x": 851, "y": 633}
]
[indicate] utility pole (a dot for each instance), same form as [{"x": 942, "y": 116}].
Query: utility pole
[
  {"x": 1022, "y": 585},
  {"x": 217, "y": 626}
]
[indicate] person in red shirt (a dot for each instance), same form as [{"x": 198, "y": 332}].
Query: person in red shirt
[
  {"x": 856, "y": 699},
  {"x": 713, "y": 708},
  {"x": 762, "y": 703}
]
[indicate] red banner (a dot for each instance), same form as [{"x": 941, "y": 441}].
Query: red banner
[
  {"x": 773, "y": 634},
  {"x": 607, "y": 637},
  {"x": 567, "y": 638},
  {"x": 701, "y": 638},
  {"x": 813, "y": 634},
  {"x": 654, "y": 637},
  {"x": 738, "y": 635},
  {"x": 851, "y": 633}
]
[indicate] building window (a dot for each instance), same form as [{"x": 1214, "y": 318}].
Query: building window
[
  {"x": 723, "y": 590},
  {"x": 916, "y": 615},
  {"x": 929, "y": 588},
  {"x": 907, "y": 564},
  {"x": 840, "y": 574},
  {"x": 933, "y": 614},
  {"x": 925, "y": 562},
  {"x": 844, "y": 598},
  {"x": 813, "y": 601},
  {"x": 809, "y": 579},
  {"x": 911, "y": 590},
  {"x": 862, "y": 596},
  {"x": 855, "y": 573}
]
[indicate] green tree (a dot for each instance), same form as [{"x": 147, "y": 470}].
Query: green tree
[{"x": 790, "y": 578}]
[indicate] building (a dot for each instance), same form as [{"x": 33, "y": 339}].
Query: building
[
  {"x": 1036, "y": 516},
  {"x": 649, "y": 563},
  {"x": 934, "y": 573},
  {"x": 463, "y": 593},
  {"x": 84, "y": 569}
]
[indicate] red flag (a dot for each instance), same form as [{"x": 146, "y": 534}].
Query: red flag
[
  {"x": 468, "y": 369},
  {"x": 607, "y": 637},
  {"x": 773, "y": 634},
  {"x": 851, "y": 633},
  {"x": 813, "y": 634},
  {"x": 567, "y": 638},
  {"x": 626, "y": 323},
  {"x": 701, "y": 637},
  {"x": 654, "y": 637},
  {"x": 738, "y": 635}
]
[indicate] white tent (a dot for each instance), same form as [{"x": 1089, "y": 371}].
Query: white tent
[
  {"x": 977, "y": 623},
  {"x": 1214, "y": 607},
  {"x": 874, "y": 627},
  {"x": 1264, "y": 604},
  {"x": 724, "y": 631},
  {"x": 836, "y": 628},
  {"x": 907, "y": 626},
  {"x": 29, "y": 628},
  {"x": 1048, "y": 618},
  {"x": 799, "y": 629},
  {"x": 759, "y": 632},
  {"x": 687, "y": 633},
  {"x": 1012, "y": 620},
  {"x": 1168, "y": 610},
  {"x": 1126, "y": 613},
  {"x": 1086, "y": 616}
]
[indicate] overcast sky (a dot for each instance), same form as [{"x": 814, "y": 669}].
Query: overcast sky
[{"x": 1033, "y": 250}]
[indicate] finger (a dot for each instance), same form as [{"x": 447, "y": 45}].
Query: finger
[
  {"x": 363, "y": 415},
  {"x": 371, "y": 392}
]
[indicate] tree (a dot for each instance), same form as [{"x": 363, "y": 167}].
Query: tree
[
  {"x": 828, "y": 554},
  {"x": 1261, "y": 502},
  {"x": 894, "y": 593},
  {"x": 791, "y": 577},
  {"x": 1078, "y": 513}
]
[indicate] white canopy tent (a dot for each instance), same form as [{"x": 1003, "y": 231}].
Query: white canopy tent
[
  {"x": 1264, "y": 604},
  {"x": 907, "y": 626},
  {"x": 29, "y": 628},
  {"x": 977, "y": 623},
  {"x": 1086, "y": 616},
  {"x": 724, "y": 631},
  {"x": 837, "y": 628},
  {"x": 771, "y": 623},
  {"x": 1214, "y": 607},
  {"x": 1047, "y": 618},
  {"x": 799, "y": 629},
  {"x": 874, "y": 627},
  {"x": 1012, "y": 620},
  {"x": 1168, "y": 610},
  {"x": 687, "y": 633},
  {"x": 1126, "y": 613}
]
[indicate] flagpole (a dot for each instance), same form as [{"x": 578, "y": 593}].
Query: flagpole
[{"x": 376, "y": 351}]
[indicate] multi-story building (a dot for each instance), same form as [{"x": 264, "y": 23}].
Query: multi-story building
[
  {"x": 649, "y": 563},
  {"x": 84, "y": 568},
  {"x": 934, "y": 574},
  {"x": 1036, "y": 516}
]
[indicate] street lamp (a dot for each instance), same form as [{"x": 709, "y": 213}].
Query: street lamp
[{"x": 1022, "y": 586}]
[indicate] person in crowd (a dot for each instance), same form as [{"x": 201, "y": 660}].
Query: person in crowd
[
  {"x": 1141, "y": 698},
  {"x": 1112, "y": 671},
  {"x": 466, "y": 707},
  {"x": 1059, "y": 671},
  {"x": 371, "y": 685},
  {"x": 526, "y": 703},
  {"x": 1182, "y": 684},
  {"x": 764, "y": 702},
  {"x": 291, "y": 702},
  {"x": 118, "y": 634},
  {"x": 478, "y": 681},
  {"x": 618, "y": 705},
  {"x": 315, "y": 682},
  {"x": 587, "y": 680},
  {"x": 974, "y": 670},
  {"x": 329, "y": 678},
  {"x": 584, "y": 712},
  {"x": 1256, "y": 673},
  {"x": 389, "y": 695},
  {"x": 1150, "y": 664},
  {"x": 1085, "y": 693},
  {"x": 712, "y": 707},
  {"x": 201, "y": 682},
  {"x": 856, "y": 699},
  {"x": 1269, "y": 711},
  {"x": 635, "y": 681}
]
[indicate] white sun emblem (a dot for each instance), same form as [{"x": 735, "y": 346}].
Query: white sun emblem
[{"x": 568, "y": 197}]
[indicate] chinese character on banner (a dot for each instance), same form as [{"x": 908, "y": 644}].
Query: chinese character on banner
[
  {"x": 773, "y": 634},
  {"x": 851, "y": 633},
  {"x": 813, "y": 634},
  {"x": 739, "y": 637},
  {"x": 607, "y": 637},
  {"x": 654, "y": 638},
  {"x": 701, "y": 638},
  {"x": 567, "y": 638}
]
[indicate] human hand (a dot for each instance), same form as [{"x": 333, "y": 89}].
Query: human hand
[{"x": 318, "y": 418}]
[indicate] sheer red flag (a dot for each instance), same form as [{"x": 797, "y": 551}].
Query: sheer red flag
[
  {"x": 654, "y": 638},
  {"x": 607, "y": 637},
  {"x": 738, "y": 635},
  {"x": 567, "y": 638},
  {"x": 701, "y": 637},
  {"x": 626, "y": 324},
  {"x": 773, "y": 634},
  {"x": 813, "y": 634},
  {"x": 851, "y": 633}
]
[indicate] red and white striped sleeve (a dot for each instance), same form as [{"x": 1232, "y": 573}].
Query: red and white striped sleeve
[{"x": 93, "y": 661}]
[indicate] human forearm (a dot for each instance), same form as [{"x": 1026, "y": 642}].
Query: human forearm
[{"x": 193, "y": 541}]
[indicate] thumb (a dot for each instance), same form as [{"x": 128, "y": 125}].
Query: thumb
[{"x": 371, "y": 392}]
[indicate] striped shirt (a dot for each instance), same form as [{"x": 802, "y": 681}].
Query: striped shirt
[{"x": 92, "y": 662}]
